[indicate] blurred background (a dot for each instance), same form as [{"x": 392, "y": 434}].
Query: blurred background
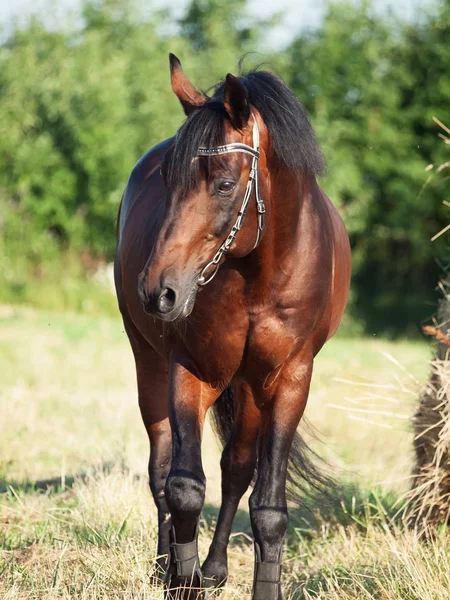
[{"x": 85, "y": 91}]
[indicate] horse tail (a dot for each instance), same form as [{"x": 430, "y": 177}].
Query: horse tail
[
  {"x": 223, "y": 416},
  {"x": 305, "y": 470}
]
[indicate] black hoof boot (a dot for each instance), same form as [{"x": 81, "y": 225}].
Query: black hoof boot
[
  {"x": 266, "y": 583},
  {"x": 183, "y": 580}
]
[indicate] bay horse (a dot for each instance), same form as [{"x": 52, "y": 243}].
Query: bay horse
[{"x": 232, "y": 271}]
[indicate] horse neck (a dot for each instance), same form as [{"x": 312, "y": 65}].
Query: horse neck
[
  {"x": 291, "y": 194},
  {"x": 289, "y": 198}
]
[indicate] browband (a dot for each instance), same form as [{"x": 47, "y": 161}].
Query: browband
[{"x": 236, "y": 147}]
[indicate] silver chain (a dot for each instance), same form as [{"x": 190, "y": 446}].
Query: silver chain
[{"x": 213, "y": 265}]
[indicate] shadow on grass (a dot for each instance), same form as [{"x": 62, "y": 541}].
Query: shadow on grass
[
  {"x": 347, "y": 504},
  {"x": 55, "y": 484},
  {"x": 314, "y": 520},
  {"x": 62, "y": 483},
  {"x": 318, "y": 519},
  {"x": 241, "y": 525}
]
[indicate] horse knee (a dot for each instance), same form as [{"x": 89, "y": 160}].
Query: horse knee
[
  {"x": 185, "y": 495},
  {"x": 269, "y": 526}
]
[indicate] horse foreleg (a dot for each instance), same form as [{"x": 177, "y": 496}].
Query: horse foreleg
[
  {"x": 189, "y": 399},
  {"x": 159, "y": 467},
  {"x": 268, "y": 508},
  {"x": 238, "y": 466},
  {"x": 152, "y": 377}
]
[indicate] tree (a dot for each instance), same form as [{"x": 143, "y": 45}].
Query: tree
[{"x": 355, "y": 75}]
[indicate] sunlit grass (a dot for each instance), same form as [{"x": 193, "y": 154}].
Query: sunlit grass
[{"x": 69, "y": 414}]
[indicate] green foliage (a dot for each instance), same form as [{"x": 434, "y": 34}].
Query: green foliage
[
  {"x": 372, "y": 86},
  {"x": 79, "y": 105},
  {"x": 36, "y": 271}
]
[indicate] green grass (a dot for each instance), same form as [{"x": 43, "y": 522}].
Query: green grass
[{"x": 76, "y": 517}]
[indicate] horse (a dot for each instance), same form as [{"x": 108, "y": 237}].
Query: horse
[{"x": 232, "y": 271}]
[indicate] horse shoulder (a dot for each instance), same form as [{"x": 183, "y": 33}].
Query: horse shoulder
[{"x": 341, "y": 268}]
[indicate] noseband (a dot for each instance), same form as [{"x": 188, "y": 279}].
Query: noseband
[{"x": 214, "y": 264}]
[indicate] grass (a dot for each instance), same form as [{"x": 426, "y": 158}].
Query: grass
[{"x": 76, "y": 517}]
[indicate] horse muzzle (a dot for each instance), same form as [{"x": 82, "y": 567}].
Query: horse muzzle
[{"x": 171, "y": 301}]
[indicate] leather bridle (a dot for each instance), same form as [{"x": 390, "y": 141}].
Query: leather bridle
[{"x": 214, "y": 264}]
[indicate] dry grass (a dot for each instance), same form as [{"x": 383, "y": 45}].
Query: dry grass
[
  {"x": 430, "y": 492},
  {"x": 96, "y": 540},
  {"x": 68, "y": 406}
]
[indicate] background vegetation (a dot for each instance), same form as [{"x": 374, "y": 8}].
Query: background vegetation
[{"x": 80, "y": 103}]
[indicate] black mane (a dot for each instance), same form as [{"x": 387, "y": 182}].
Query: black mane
[{"x": 293, "y": 141}]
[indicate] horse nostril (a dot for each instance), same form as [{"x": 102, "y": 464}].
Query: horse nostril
[{"x": 166, "y": 300}]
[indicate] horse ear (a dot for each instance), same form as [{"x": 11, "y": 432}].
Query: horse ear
[
  {"x": 186, "y": 93},
  {"x": 235, "y": 99}
]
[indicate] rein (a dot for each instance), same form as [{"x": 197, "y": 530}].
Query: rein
[{"x": 214, "y": 264}]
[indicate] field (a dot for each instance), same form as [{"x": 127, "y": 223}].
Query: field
[{"x": 76, "y": 517}]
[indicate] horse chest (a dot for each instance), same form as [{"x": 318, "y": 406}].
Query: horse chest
[{"x": 272, "y": 340}]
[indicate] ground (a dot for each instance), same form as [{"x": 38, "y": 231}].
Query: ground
[{"x": 76, "y": 517}]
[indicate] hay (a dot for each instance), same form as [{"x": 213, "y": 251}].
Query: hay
[{"x": 430, "y": 493}]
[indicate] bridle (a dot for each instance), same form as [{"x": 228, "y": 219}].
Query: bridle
[{"x": 214, "y": 264}]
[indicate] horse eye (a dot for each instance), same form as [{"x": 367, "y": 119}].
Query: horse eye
[{"x": 226, "y": 187}]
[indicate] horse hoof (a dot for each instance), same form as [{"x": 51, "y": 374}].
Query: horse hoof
[
  {"x": 215, "y": 574},
  {"x": 213, "y": 584}
]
